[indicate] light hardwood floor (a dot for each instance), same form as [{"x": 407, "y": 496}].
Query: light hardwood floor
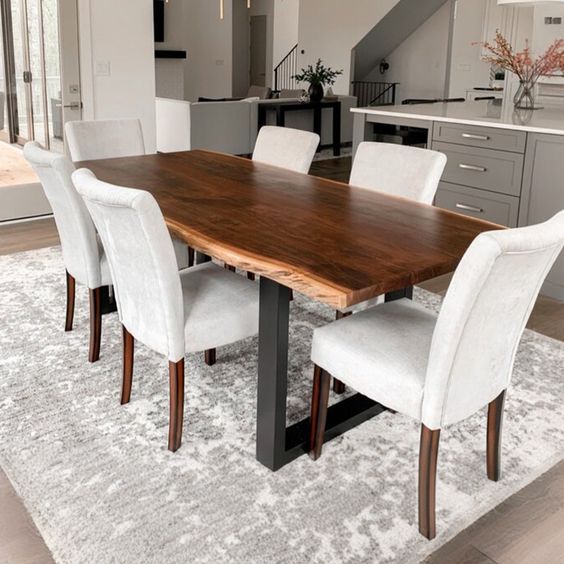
[{"x": 526, "y": 528}]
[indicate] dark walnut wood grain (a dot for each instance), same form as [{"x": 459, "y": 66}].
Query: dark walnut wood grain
[{"x": 335, "y": 243}]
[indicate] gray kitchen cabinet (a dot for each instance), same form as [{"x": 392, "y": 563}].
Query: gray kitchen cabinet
[
  {"x": 544, "y": 194},
  {"x": 489, "y": 206}
]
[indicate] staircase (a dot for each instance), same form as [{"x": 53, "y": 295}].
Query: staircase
[
  {"x": 286, "y": 70},
  {"x": 390, "y": 32}
]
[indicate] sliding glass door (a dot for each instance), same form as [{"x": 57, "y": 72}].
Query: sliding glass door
[{"x": 32, "y": 72}]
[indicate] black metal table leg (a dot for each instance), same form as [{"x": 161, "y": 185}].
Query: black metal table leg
[
  {"x": 400, "y": 294},
  {"x": 108, "y": 302},
  {"x": 337, "y": 130},
  {"x": 201, "y": 258},
  {"x": 277, "y": 445},
  {"x": 317, "y": 119},
  {"x": 272, "y": 373}
]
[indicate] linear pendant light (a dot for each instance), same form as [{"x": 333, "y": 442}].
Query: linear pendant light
[{"x": 222, "y": 8}]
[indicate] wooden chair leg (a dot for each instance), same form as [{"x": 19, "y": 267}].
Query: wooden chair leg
[
  {"x": 71, "y": 291},
  {"x": 210, "y": 357},
  {"x": 128, "y": 348},
  {"x": 428, "y": 454},
  {"x": 176, "y": 375},
  {"x": 319, "y": 404},
  {"x": 95, "y": 324},
  {"x": 190, "y": 256},
  {"x": 495, "y": 424},
  {"x": 338, "y": 387}
]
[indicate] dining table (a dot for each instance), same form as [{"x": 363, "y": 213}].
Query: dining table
[{"x": 332, "y": 242}]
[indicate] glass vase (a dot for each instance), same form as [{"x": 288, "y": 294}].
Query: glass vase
[{"x": 525, "y": 96}]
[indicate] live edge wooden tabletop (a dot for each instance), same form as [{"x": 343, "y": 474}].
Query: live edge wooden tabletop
[{"x": 335, "y": 243}]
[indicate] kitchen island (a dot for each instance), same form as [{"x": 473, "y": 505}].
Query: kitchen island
[{"x": 504, "y": 166}]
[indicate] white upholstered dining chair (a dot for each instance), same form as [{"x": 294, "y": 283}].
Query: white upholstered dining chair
[
  {"x": 83, "y": 254},
  {"x": 104, "y": 139},
  {"x": 112, "y": 139},
  {"x": 287, "y": 148},
  {"x": 399, "y": 170},
  {"x": 441, "y": 369},
  {"x": 172, "y": 313}
]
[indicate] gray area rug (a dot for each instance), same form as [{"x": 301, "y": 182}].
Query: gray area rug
[{"x": 102, "y": 487}]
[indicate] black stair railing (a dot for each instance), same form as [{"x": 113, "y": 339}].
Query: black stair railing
[
  {"x": 375, "y": 93},
  {"x": 286, "y": 70}
]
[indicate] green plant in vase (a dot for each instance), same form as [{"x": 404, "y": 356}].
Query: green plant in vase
[{"x": 317, "y": 77}]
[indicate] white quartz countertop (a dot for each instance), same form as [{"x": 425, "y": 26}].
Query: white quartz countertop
[{"x": 483, "y": 113}]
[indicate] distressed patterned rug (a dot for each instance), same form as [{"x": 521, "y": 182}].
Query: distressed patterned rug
[{"x": 102, "y": 487}]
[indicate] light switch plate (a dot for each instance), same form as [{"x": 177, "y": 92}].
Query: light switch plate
[{"x": 103, "y": 68}]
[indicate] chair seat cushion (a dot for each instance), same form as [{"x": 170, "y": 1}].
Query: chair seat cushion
[
  {"x": 381, "y": 352},
  {"x": 220, "y": 307}
]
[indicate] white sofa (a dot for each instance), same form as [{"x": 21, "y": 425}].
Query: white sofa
[
  {"x": 232, "y": 127},
  {"x": 227, "y": 127}
]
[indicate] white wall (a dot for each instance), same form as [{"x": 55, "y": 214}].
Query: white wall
[
  {"x": 266, "y": 8},
  {"x": 117, "y": 62},
  {"x": 544, "y": 35},
  {"x": 170, "y": 73},
  {"x": 241, "y": 48},
  {"x": 419, "y": 64},
  {"x": 194, "y": 26},
  {"x": 209, "y": 42},
  {"x": 329, "y": 29},
  {"x": 286, "y": 28},
  {"x": 467, "y": 69}
]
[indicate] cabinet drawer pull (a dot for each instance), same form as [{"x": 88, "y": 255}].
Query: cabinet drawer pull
[
  {"x": 472, "y": 167},
  {"x": 477, "y": 137},
  {"x": 466, "y": 207}
]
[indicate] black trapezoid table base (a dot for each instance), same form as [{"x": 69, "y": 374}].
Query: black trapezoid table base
[
  {"x": 277, "y": 444},
  {"x": 341, "y": 417}
]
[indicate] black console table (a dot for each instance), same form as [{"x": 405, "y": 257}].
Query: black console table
[{"x": 282, "y": 107}]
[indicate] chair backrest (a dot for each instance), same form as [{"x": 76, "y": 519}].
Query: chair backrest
[
  {"x": 262, "y": 92},
  {"x": 173, "y": 125},
  {"x": 287, "y": 148},
  {"x": 142, "y": 262},
  {"x": 79, "y": 242},
  {"x": 104, "y": 139},
  {"x": 483, "y": 317},
  {"x": 409, "y": 172}
]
